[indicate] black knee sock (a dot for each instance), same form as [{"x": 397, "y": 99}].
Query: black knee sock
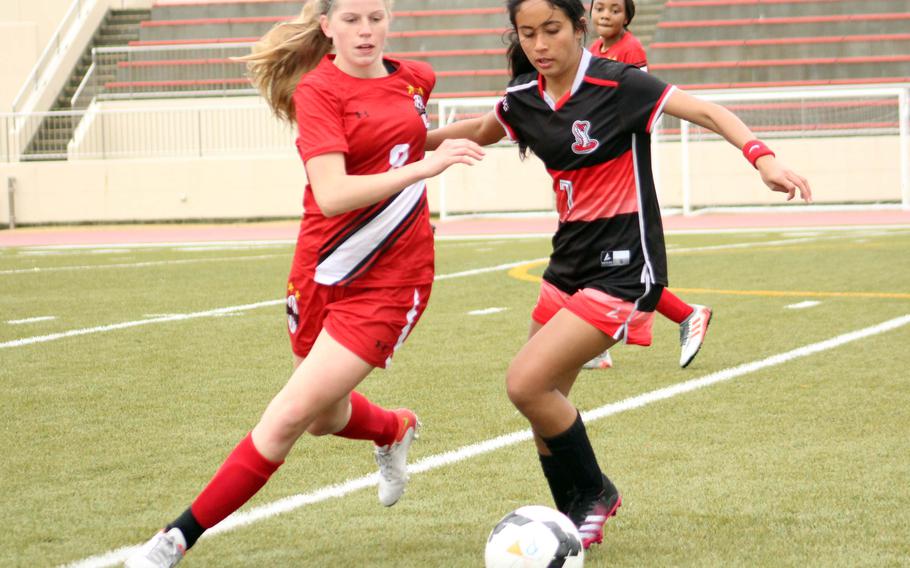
[
  {"x": 573, "y": 450},
  {"x": 561, "y": 485},
  {"x": 189, "y": 526}
]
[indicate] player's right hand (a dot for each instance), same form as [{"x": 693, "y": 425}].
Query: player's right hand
[
  {"x": 454, "y": 151},
  {"x": 781, "y": 178}
]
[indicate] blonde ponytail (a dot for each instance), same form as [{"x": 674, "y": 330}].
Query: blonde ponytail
[{"x": 285, "y": 53}]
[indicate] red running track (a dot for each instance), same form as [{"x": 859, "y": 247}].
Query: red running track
[{"x": 791, "y": 218}]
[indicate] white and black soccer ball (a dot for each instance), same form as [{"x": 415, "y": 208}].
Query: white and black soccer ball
[{"x": 534, "y": 537}]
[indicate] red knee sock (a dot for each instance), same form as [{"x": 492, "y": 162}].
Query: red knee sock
[
  {"x": 370, "y": 422},
  {"x": 672, "y": 307},
  {"x": 242, "y": 474}
]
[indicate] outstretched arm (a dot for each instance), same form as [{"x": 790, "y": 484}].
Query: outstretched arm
[
  {"x": 720, "y": 120},
  {"x": 337, "y": 192},
  {"x": 483, "y": 130}
]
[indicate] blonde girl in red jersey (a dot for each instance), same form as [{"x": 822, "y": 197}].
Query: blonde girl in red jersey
[
  {"x": 611, "y": 19},
  {"x": 363, "y": 266}
]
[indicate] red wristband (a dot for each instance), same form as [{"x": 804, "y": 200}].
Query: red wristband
[{"x": 755, "y": 149}]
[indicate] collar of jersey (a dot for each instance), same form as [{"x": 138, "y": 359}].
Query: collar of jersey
[
  {"x": 330, "y": 60},
  {"x": 579, "y": 79}
]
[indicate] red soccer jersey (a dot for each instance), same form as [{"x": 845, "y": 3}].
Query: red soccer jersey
[
  {"x": 379, "y": 124},
  {"x": 627, "y": 50}
]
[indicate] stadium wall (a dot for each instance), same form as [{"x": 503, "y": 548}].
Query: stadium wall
[
  {"x": 26, "y": 26},
  {"x": 840, "y": 170}
]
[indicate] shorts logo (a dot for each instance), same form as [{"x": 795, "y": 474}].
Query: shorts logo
[
  {"x": 293, "y": 310},
  {"x": 584, "y": 144},
  {"x": 610, "y": 258}
]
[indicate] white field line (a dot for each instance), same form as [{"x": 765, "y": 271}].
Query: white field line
[
  {"x": 248, "y": 244},
  {"x": 437, "y": 461},
  {"x": 212, "y": 313},
  {"x": 886, "y": 228},
  {"x": 37, "y": 270},
  {"x": 753, "y": 244},
  {"x": 486, "y": 311},
  {"x": 31, "y": 320},
  {"x": 497, "y": 268},
  {"x": 215, "y": 246},
  {"x": 233, "y": 309},
  {"x": 136, "y": 323},
  {"x": 803, "y": 305}
]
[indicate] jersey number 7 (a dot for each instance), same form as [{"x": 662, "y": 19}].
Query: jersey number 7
[{"x": 566, "y": 186}]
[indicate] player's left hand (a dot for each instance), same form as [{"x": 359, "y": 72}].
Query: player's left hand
[{"x": 781, "y": 178}]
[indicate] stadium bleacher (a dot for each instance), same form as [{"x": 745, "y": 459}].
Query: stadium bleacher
[
  {"x": 739, "y": 43},
  {"x": 749, "y": 43},
  {"x": 463, "y": 42},
  {"x": 184, "y": 47}
]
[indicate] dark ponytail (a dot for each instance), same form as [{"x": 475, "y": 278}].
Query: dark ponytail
[
  {"x": 630, "y": 12},
  {"x": 519, "y": 64}
]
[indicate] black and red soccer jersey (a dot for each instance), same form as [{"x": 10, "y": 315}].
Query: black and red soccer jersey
[
  {"x": 596, "y": 145},
  {"x": 378, "y": 124}
]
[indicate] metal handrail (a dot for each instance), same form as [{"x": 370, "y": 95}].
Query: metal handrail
[
  {"x": 180, "y": 47},
  {"x": 53, "y": 48},
  {"x": 89, "y": 75}
]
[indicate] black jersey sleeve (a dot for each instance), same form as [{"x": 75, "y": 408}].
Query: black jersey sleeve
[
  {"x": 502, "y": 110},
  {"x": 641, "y": 99}
]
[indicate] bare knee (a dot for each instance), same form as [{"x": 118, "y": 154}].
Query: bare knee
[
  {"x": 332, "y": 419},
  {"x": 284, "y": 421},
  {"x": 323, "y": 425},
  {"x": 520, "y": 386}
]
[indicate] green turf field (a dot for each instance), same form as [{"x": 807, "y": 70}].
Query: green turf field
[{"x": 109, "y": 433}]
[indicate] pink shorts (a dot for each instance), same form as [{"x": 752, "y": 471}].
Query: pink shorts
[
  {"x": 371, "y": 322},
  {"x": 617, "y": 318}
]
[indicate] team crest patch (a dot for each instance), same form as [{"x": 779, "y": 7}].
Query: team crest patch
[
  {"x": 420, "y": 104},
  {"x": 584, "y": 144}
]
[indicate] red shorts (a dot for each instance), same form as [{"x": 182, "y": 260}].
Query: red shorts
[
  {"x": 617, "y": 318},
  {"x": 371, "y": 322}
]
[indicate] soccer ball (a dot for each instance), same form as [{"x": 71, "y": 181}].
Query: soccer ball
[{"x": 534, "y": 537}]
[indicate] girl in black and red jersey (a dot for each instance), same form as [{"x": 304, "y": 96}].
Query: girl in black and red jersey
[
  {"x": 363, "y": 267},
  {"x": 589, "y": 120},
  {"x": 611, "y": 19}
]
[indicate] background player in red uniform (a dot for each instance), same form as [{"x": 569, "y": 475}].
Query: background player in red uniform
[
  {"x": 589, "y": 120},
  {"x": 611, "y": 19},
  {"x": 363, "y": 267}
]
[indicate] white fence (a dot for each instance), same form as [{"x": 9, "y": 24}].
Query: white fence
[{"x": 853, "y": 143}]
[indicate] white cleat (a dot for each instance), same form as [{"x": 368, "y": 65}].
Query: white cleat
[
  {"x": 164, "y": 550},
  {"x": 692, "y": 333},
  {"x": 393, "y": 459},
  {"x": 602, "y": 361}
]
